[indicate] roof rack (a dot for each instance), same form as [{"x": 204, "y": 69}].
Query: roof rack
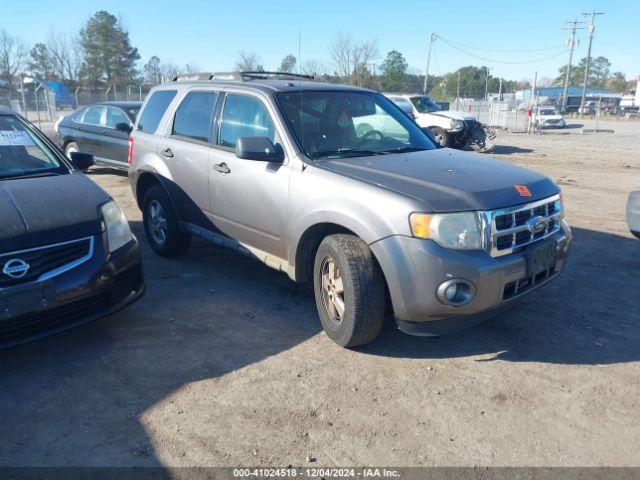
[{"x": 242, "y": 76}]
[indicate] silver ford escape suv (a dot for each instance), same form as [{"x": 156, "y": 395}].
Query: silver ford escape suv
[{"x": 339, "y": 188}]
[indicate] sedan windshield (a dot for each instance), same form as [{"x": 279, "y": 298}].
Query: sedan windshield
[
  {"x": 425, "y": 104},
  {"x": 340, "y": 124},
  {"x": 23, "y": 153}
]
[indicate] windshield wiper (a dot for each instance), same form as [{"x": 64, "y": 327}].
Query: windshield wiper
[
  {"x": 406, "y": 150},
  {"x": 346, "y": 152}
]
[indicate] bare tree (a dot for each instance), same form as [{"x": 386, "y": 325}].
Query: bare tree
[
  {"x": 153, "y": 71},
  {"x": 312, "y": 67},
  {"x": 248, "y": 62},
  {"x": 191, "y": 67},
  {"x": 340, "y": 51},
  {"x": 352, "y": 60},
  {"x": 13, "y": 55},
  {"x": 66, "y": 55},
  {"x": 168, "y": 71}
]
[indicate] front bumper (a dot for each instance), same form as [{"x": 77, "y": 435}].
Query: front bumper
[
  {"x": 415, "y": 268},
  {"x": 99, "y": 287}
]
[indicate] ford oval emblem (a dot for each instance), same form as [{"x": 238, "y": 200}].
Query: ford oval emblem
[
  {"x": 16, "y": 268},
  {"x": 536, "y": 225}
]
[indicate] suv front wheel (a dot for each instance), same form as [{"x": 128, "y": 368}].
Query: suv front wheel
[
  {"x": 349, "y": 290},
  {"x": 161, "y": 224}
]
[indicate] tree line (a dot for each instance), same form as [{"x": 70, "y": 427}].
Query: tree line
[{"x": 101, "y": 54}]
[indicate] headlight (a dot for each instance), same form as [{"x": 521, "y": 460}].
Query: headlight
[
  {"x": 457, "y": 125},
  {"x": 460, "y": 231},
  {"x": 118, "y": 232}
]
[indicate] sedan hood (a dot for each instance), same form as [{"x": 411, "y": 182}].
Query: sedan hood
[
  {"x": 447, "y": 180},
  {"x": 44, "y": 210}
]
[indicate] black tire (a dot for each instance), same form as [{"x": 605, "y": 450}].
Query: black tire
[
  {"x": 441, "y": 136},
  {"x": 175, "y": 241},
  {"x": 363, "y": 291}
]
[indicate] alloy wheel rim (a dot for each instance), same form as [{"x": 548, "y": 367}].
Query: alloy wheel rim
[
  {"x": 157, "y": 222},
  {"x": 332, "y": 290}
]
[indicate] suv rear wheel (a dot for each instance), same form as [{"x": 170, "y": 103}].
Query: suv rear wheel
[
  {"x": 161, "y": 224},
  {"x": 349, "y": 290}
]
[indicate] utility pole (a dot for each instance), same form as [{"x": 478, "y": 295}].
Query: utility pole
[
  {"x": 432, "y": 37},
  {"x": 573, "y": 27},
  {"x": 458, "y": 92},
  {"x": 592, "y": 28},
  {"x": 486, "y": 85}
]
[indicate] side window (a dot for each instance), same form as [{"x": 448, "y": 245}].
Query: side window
[
  {"x": 116, "y": 116},
  {"x": 194, "y": 116},
  {"x": 154, "y": 111},
  {"x": 244, "y": 116},
  {"x": 92, "y": 115}
]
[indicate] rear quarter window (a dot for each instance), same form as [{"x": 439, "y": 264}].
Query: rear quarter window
[{"x": 154, "y": 110}]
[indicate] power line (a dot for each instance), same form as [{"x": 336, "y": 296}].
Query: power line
[
  {"x": 493, "y": 60},
  {"x": 502, "y": 51}
]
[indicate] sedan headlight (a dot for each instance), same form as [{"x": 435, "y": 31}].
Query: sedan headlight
[
  {"x": 118, "y": 232},
  {"x": 457, "y": 125},
  {"x": 460, "y": 231}
]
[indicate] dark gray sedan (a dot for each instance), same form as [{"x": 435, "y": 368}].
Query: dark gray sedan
[{"x": 101, "y": 130}]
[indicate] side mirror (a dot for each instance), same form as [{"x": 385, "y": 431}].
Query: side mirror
[
  {"x": 123, "y": 127},
  {"x": 259, "y": 148},
  {"x": 431, "y": 136},
  {"x": 82, "y": 161}
]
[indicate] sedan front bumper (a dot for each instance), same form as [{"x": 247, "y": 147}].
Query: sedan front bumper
[
  {"x": 99, "y": 287},
  {"x": 416, "y": 268}
]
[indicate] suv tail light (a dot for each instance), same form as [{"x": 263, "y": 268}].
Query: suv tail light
[{"x": 130, "y": 154}]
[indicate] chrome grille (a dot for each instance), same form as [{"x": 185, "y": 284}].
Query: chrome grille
[
  {"x": 515, "y": 227},
  {"x": 45, "y": 262}
]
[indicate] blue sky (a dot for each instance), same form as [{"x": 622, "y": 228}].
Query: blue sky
[{"x": 210, "y": 33}]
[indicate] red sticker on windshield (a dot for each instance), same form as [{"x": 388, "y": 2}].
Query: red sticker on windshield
[{"x": 523, "y": 191}]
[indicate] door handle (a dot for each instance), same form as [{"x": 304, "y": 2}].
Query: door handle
[
  {"x": 222, "y": 168},
  {"x": 167, "y": 152}
]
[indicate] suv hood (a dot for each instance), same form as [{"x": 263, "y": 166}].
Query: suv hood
[
  {"x": 447, "y": 180},
  {"x": 455, "y": 115},
  {"x": 43, "y": 210}
]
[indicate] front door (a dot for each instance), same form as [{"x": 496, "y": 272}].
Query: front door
[{"x": 249, "y": 197}]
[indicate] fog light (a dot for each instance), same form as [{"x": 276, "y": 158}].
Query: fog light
[{"x": 456, "y": 292}]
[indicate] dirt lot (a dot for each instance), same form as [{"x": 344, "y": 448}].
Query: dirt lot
[{"x": 224, "y": 362}]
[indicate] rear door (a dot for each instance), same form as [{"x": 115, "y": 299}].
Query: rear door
[
  {"x": 248, "y": 197},
  {"x": 89, "y": 130},
  {"x": 115, "y": 143},
  {"x": 185, "y": 150}
]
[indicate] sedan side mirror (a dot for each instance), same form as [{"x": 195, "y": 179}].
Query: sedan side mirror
[
  {"x": 259, "y": 148},
  {"x": 82, "y": 161},
  {"x": 123, "y": 127}
]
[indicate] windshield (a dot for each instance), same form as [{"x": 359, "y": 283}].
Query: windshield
[
  {"x": 548, "y": 111},
  {"x": 23, "y": 153},
  {"x": 425, "y": 104},
  {"x": 340, "y": 124}
]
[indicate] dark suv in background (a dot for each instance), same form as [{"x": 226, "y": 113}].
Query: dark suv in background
[{"x": 101, "y": 130}]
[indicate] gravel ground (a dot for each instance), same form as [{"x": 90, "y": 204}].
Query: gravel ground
[{"x": 223, "y": 363}]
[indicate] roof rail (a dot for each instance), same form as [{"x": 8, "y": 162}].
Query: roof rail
[
  {"x": 247, "y": 76},
  {"x": 242, "y": 76},
  {"x": 190, "y": 77}
]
